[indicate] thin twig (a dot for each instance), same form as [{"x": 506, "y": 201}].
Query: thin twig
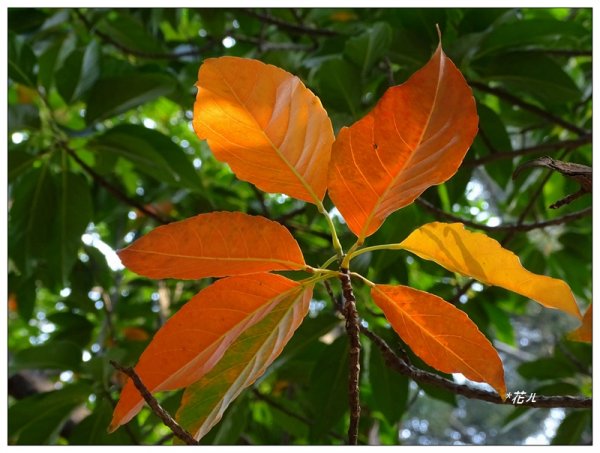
[
  {"x": 353, "y": 330},
  {"x": 506, "y": 227},
  {"x": 528, "y": 106},
  {"x": 568, "y": 52},
  {"x": 112, "y": 189},
  {"x": 164, "y": 439},
  {"x": 266, "y": 46},
  {"x": 425, "y": 377},
  {"x": 292, "y": 28},
  {"x": 566, "y": 144},
  {"x": 155, "y": 405}
]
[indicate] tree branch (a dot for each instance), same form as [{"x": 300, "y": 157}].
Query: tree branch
[
  {"x": 109, "y": 187},
  {"x": 521, "y": 227},
  {"x": 352, "y": 329},
  {"x": 155, "y": 405},
  {"x": 425, "y": 377},
  {"x": 292, "y": 28},
  {"x": 566, "y": 144},
  {"x": 499, "y": 93}
]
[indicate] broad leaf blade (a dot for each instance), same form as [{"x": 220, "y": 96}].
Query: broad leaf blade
[
  {"x": 483, "y": 258},
  {"x": 583, "y": 332},
  {"x": 193, "y": 340},
  {"x": 204, "y": 402},
  {"x": 415, "y": 137},
  {"x": 214, "y": 245},
  {"x": 440, "y": 334},
  {"x": 264, "y": 123}
]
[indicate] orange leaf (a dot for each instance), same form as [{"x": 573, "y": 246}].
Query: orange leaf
[
  {"x": 214, "y": 245},
  {"x": 263, "y": 122},
  {"x": 193, "y": 340},
  {"x": 440, "y": 334},
  {"x": 583, "y": 332},
  {"x": 204, "y": 402},
  {"x": 416, "y": 137},
  {"x": 483, "y": 258}
]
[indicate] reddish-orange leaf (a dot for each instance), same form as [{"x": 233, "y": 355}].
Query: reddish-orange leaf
[
  {"x": 193, "y": 340},
  {"x": 440, "y": 334},
  {"x": 214, "y": 245},
  {"x": 415, "y": 137},
  {"x": 583, "y": 332},
  {"x": 263, "y": 122}
]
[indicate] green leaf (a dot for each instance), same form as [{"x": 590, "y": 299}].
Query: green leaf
[
  {"x": 92, "y": 429},
  {"x": 19, "y": 162},
  {"x": 540, "y": 33},
  {"x": 570, "y": 430},
  {"x": 501, "y": 321},
  {"x": 328, "y": 395},
  {"x": 113, "y": 95},
  {"x": 339, "y": 85},
  {"x": 231, "y": 426},
  {"x": 22, "y": 117},
  {"x": 38, "y": 419},
  {"x": 153, "y": 152},
  {"x": 21, "y": 61},
  {"x": 73, "y": 214},
  {"x": 531, "y": 72},
  {"x": 546, "y": 368},
  {"x": 71, "y": 327},
  {"x": 31, "y": 217},
  {"x": 130, "y": 33},
  {"x": 204, "y": 402},
  {"x": 53, "y": 355},
  {"x": 78, "y": 73},
  {"x": 367, "y": 48},
  {"x": 390, "y": 389}
]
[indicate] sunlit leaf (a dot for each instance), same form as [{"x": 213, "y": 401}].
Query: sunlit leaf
[
  {"x": 264, "y": 123},
  {"x": 483, "y": 258},
  {"x": 193, "y": 340},
  {"x": 415, "y": 137},
  {"x": 583, "y": 332},
  {"x": 216, "y": 244},
  {"x": 440, "y": 334},
  {"x": 204, "y": 402}
]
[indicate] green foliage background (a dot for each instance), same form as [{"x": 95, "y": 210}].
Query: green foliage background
[{"x": 99, "y": 118}]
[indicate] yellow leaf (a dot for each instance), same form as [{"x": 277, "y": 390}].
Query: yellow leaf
[
  {"x": 583, "y": 332},
  {"x": 483, "y": 258},
  {"x": 263, "y": 122},
  {"x": 440, "y": 334}
]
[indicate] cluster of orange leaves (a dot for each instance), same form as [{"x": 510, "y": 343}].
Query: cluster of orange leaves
[{"x": 274, "y": 133}]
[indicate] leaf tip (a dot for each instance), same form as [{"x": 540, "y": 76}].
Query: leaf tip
[{"x": 439, "y": 32}]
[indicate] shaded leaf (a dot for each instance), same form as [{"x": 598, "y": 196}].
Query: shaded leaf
[
  {"x": 390, "y": 389},
  {"x": 38, "y": 419},
  {"x": 583, "y": 332},
  {"x": 570, "y": 430},
  {"x": 415, "y": 137},
  {"x": 78, "y": 73},
  {"x": 546, "y": 368},
  {"x": 23, "y": 116},
  {"x": 328, "y": 395},
  {"x": 367, "y": 48},
  {"x": 340, "y": 85},
  {"x": 264, "y": 123},
  {"x": 113, "y": 95},
  {"x": 92, "y": 429},
  {"x": 214, "y": 245},
  {"x": 53, "y": 355},
  {"x": 193, "y": 340},
  {"x": 440, "y": 334},
  {"x": 129, "y": 32},
  {"x": 205, "y": 401},
  {"x": 483, "y": 258},
  {"x": 21, "y": 61}
]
